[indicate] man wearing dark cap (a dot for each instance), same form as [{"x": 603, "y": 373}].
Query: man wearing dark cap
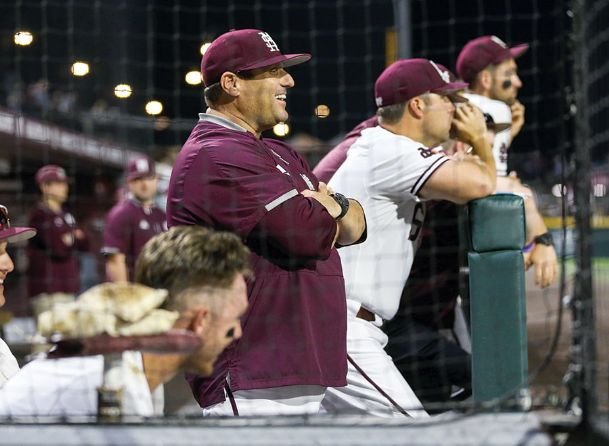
[
  {"x": 227, "y": 176},
  {"x": 8, "y": 234},
  {"x": 391, "y": 169},
  {"x": 53, "y": 262},
  {"x": 133, "y": 221},
  {"x": 489, "y": 66}
]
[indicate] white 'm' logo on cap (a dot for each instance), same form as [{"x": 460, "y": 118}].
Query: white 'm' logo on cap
[
  {"x": 141, "y": 165},
  {"x": 269, "y": 41},
  {"x": 498, "y": 41},
  {"x": 443, "y": 74}
]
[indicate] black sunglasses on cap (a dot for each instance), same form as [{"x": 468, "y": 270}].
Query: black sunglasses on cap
[{"x": 5, "y": 222}]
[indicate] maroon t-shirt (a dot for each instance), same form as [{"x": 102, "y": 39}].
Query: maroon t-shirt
[
  {"x": 128, "y": 227},
  {"x": 53, "y": 264},
  {"x": 294, "y": 330},
  {"x": 329, "y": 164}
]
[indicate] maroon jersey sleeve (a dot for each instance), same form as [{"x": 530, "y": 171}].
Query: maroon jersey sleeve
[
  {"x": 329, "y": 164},
  {"x": 286, "y": 229},
  {"x": 116, "y": 232}
]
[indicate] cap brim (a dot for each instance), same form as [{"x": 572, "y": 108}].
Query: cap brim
[
  {"x": 518, "y": 50},
  {"x": 137, "y": 177},
  {"x": 499, "y": 127},
  {"x": 13, "y": 235},
  {"x": 452, "y": 89},
  {"x": 456, "y": 97},
  {"x": 286, "y": 60}
]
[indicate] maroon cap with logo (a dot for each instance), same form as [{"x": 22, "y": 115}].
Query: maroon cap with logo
[
  {"x": 51, "y": 172},
  {"x": 244, "y": 50},
  {"x": 407, "y": 78},
  {"x": 9, "y": 234},
  {"x": 479, "y": 53},
  {"x": 140, "y": 167}
]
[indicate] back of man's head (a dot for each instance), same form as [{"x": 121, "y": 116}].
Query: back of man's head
[{"x": 191, "y": 257}]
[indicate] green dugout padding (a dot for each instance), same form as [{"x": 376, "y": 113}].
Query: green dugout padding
[{"x": 497, "y": 297}]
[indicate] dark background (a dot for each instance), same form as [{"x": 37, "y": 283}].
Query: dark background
[{"x": 152, "y": 44}]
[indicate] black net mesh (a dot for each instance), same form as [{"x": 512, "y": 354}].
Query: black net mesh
[{"x": 50, "y": 115}]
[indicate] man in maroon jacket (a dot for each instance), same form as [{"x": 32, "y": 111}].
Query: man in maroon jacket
[
  {"x": 229, "y": 177},
  {"x": 133, "y": 221},
  {"x": 53, "y": 261}
]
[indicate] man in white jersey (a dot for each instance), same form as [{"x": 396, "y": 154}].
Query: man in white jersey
[
  {"x": 204, "y": 273},
  {"x": 489, "y": 66},
  {"x": 501, "y": 140},
  {"x": 390, "y": 169}
]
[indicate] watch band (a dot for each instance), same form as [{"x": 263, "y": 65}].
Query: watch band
[
  {"x": 544, "y": 239},
  {"x": 343, "y": 202}
]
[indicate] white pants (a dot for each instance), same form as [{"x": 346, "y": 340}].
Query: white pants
[
  {"x": 288, "y": 400},
  {"x": 365, "y": 345}
]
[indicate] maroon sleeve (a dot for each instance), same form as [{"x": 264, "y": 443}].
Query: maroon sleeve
[
  {"x": 300, "y": 227},
  {"x": 329, "y": 164},
  {"x": 117, "y": 232}
]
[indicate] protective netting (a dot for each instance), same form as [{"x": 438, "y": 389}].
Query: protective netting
[{"x": 50, "y": 115}]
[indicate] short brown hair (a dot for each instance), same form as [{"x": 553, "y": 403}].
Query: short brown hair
[
  {"x": 391, "y": 113},
  {"x": 213, "y": 93},
  {"x": 473, "y": 85},
  {"x": 188, "y": 257}
]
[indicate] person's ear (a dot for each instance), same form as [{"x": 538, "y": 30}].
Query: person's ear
[
  {"x": 416, "y": 107},
  {"x": 230, "y": 83},
  {"x": 486, "y": 79},
  {"x": 201, "y": 320}
]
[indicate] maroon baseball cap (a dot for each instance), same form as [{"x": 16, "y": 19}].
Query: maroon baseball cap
[
  {"x": 479, "y": 53},
  {"x": 9, "y": 234},
  {"x": 244, "y": 50},
  {"x": 140, "y": 167},
  {"x": 51, "y": 172},
  {"x": 407, "y": 78}
]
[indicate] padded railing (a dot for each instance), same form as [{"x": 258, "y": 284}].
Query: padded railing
[{"x": 497, "y": 298}]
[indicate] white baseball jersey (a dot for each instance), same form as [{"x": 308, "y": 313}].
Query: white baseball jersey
[
  {"x": 8, "y": 363},
  {"x": 501, "y": 114},
  {"x": 384, "y": 172},
  {"x": 68, "y": 387}
]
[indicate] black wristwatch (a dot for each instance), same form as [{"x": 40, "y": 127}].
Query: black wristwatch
[
  {"x": 544, "y": 239},
  {"x": 343, "y": 202}
]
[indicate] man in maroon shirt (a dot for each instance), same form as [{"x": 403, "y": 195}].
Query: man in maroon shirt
[
  {"x": 133, "y": 221},
  {"x": 229, "y": 177},
  {"x": 53, "y": 262}
]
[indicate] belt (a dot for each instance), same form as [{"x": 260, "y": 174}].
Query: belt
[{"x": 365, "y": 314}]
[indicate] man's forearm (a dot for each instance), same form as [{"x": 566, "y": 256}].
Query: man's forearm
[
  {"x": 535, "y": 224},
  {"x": 116, "y": 268},
  {"x": 484, "y": 151},
  {"x": 352, "y": 226}
]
